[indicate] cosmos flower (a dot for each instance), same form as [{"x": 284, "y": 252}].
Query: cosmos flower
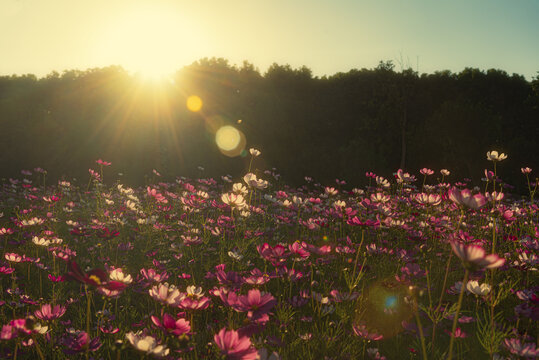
[
  {"x": 235, "y": 201},
  {"x": 254, "y": 152},
  {"x": 251, "y": 180},
  {"x": 48, "y": 312},
  {"x": 166, "y": 294},
  {"x": 474, "y": 257},
  {"x": 361, "y": 331},
  {"x": 257, "y": 303},
  {"x": 426, "y": 171},
  {"x": 465, "y": 198},
  {"x": 475, "y": 288},
  {"x": 234, "y": 346},
  {"x": 79, "y": 342},
  {"x": 170, "y": 325},
  {"x": 118, "y": 275},
  {"x": 494, "y": 156},
  {"x": 525, "y": 350},
  {"x": 94, "y": 277},
  {"x": 147, "y": 344}
]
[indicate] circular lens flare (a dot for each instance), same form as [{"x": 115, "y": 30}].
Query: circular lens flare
[
  {"x": 227, "y": 138},
  {"x": 384, "y": 308},
  {"x": 230, "y": 140},
  {"x": 194, "y": 103}
]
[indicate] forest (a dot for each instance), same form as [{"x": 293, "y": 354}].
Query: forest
[{"x": 339, "y": 126}]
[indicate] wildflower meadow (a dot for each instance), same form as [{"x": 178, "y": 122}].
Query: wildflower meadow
[{"x": 416, "y": 266}]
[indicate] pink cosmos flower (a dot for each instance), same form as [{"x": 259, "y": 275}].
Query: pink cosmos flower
[
  {"x": 257, "y": 277},
  {"x": 458, "y": 333},
  {"x": 153, "y": 276},
  {"x": 47, "y": 312},
  {"x": 190, "y": 303},
  {"x": 474, "y": 256},
  {"x": 256, "y": 303},
  {"x": 426, "y": 171},
  {"x": 298, "y": 249},
  {"x": 103, "y": 163},
  {"x": 465, "y": 198},
  {"x": 176, "y": 327},
  {"x": 235, "y": 347},
  {"x": 166, "y": 294},
  {"x": 525, "y": 350},
  {"x": 276, "y": 255},
  {"x": 13, "y": 257}
]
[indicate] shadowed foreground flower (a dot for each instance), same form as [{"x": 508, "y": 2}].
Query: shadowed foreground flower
[
  {"x": 147, "y": 344},
  {"x": 235, "y": 347},
  {"x": 474, "y": 257},
  {"x": 94, "y": 277}
]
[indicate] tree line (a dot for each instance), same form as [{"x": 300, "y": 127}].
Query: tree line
[{"x": 337, "y": 126}]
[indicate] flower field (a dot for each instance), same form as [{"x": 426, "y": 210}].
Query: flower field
[{"x": 411, "y": 267}]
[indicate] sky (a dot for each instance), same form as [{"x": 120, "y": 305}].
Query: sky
[{"x": 157, "y": 37}]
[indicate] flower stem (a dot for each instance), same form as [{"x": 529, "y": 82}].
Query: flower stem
[{"x": 455, "y": 319}]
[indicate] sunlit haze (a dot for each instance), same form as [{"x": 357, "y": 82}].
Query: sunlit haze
[{"x": 158, "y": 37}]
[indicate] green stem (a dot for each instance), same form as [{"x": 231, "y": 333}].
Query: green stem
[
  {"x": 421, "y": 335},
  {"x": 455, "y": 319}
]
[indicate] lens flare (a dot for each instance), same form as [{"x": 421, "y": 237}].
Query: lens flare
[
  {"x": 194, "y": 103},
  {"x": 385, "y": 308},
  {"x": 230, "y": 140}
]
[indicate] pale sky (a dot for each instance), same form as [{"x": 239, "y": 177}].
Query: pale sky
[{"x": 328, "y": 36}]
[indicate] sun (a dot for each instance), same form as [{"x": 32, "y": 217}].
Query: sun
[{"x": 152, "y": 40}]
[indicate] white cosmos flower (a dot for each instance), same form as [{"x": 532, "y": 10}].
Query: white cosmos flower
[
  {"x": 254, "y": 152},
  {"x": 239, "y": 189},
  {"x": 40, "y": 241},
  {"x": 251, "y": 180},
  {"x": 146, "y": 344},
  {"x": 494, "y": 156},
  {"x": 475, "y": 288},
  {"x": 118, "y": 275},
  {"x": 233, "y": 200}
]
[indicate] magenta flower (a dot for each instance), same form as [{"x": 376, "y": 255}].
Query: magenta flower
[
  {"x": 47, "y": 312},
  {"x": 362, "y": 331},
  {"x": 190, "y": 303},
  {"x": 298, "y": 249},
  {"x": 176, "y": 327},
  {"x": 465, "y": 198},
  {"x": 256, "y": 303},
  {"x": 525, "y": 350},
  {"x": 235, "y": 347},
  {"x": 276, "y": 255},
  {"x": 474, "y": 256},
  {"x": 80, "y": 342},
  {"x": 426, "y": 171},
  {"x": 153, "y": 276},
  {"x": 103, "y": 162}
]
